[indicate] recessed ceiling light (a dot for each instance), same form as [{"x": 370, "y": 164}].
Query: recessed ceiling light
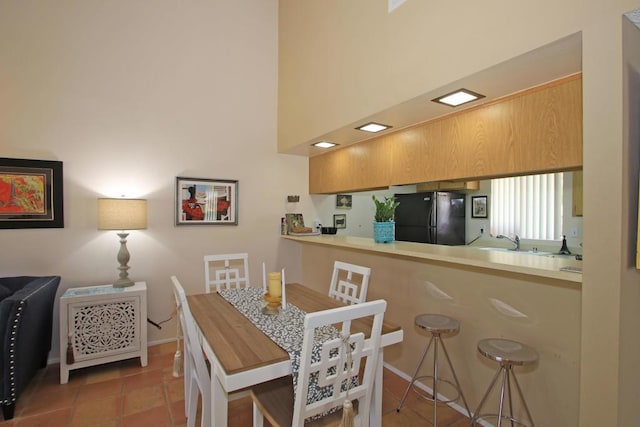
[
  {"x": 373, "y": 127},
  {"x": 459, "y": 97},
  {"x": 324, "y": 144}
]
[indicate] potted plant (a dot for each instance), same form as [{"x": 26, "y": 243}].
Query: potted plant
[{"x": 384, "y": 226}]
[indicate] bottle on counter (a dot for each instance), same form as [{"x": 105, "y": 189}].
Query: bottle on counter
[
  {"x": 283, "y": 226},
  {"x": 564, "y": 250}
]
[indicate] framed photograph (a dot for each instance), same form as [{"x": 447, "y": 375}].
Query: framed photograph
[
  {"x": 31, "y": 194},
  {"x": 201, "y": 201},
  {"x": 343, "y": 201},
  {"x": 479, "y": 207},
  {"x": 340, "y": 221}
]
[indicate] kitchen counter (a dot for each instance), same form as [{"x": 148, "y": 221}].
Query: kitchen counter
[{"x": 522, "y": 263}]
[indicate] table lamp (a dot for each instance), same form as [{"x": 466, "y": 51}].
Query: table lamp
[{"x": 122, "y": 214}]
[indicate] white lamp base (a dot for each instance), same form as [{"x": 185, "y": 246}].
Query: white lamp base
[{"x": 123, "y": 259}]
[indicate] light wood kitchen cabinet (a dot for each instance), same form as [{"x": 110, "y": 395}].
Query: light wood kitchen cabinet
[
  {"x": 362, "y": 168},
  {"x": 576, "y": 209},
  {"x": 536, "y": 131},
  {"x": 448, "y": 186}
]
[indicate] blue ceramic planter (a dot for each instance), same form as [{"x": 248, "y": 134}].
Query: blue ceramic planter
[{"x": 384, "y": 232}]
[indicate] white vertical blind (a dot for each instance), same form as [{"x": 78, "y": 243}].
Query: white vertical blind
[{"x": 529, "y": 206}]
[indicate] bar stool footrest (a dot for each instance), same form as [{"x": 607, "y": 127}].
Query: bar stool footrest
[
  {"x": 430, "y": 398},
  {"x": 511, "y": 419}
]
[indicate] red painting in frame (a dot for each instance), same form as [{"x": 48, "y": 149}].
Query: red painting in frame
[{"x": 30, "y": 193}]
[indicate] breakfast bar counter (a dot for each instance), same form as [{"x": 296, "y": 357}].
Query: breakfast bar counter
[
  {"x": 508, "y": 261},
  {"x": 493, "y": 293}
]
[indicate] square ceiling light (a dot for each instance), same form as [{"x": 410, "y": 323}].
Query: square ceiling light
[
  {"x": 324, "y": 144},
  {"x": 459, "y": 97},
  {"x": 373, "y": 127}
]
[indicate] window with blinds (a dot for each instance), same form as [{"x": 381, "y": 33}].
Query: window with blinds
[{"x": 529, "y": 206}]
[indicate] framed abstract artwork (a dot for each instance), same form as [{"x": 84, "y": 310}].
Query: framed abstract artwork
[
  {"x": 31, "y": 193},
  {"x": 201, "y": 201}
]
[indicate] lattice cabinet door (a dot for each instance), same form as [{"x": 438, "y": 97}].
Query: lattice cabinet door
[{"x": 101, "y": 324}]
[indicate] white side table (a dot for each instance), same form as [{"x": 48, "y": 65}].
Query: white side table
[{"x": 102, "y": 324}]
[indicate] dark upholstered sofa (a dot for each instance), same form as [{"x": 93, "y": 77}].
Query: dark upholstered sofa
[{"x": 26, "y": 316}]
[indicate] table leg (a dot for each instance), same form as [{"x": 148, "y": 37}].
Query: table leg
[
  {"x": 375, "y": 411},
  {"x": 219, "y": 402}
]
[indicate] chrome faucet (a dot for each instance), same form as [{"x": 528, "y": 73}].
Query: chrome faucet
[{"x": 515, "y": 241}]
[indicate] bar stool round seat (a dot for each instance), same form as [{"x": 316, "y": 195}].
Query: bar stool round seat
[
  {"x": 436, "y": 324},
  {"x": 508, "y": 353}
]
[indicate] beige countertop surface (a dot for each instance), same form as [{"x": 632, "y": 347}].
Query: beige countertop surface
[{"x": 523, "y": 263}]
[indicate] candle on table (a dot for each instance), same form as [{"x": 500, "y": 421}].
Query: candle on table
[
  {"x": 284, "y": 291},
  {"x": 275, "y": 285}
]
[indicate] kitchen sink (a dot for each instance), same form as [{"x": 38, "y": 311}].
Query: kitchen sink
[{"x": 539, "y": 253}]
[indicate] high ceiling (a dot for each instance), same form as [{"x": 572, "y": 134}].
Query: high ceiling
[{"x": 550, "y": 62}]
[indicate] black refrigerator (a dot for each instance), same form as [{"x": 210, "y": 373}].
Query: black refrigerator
[{"x": 432, "y": 217}]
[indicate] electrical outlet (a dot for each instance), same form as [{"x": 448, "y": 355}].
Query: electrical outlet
[{"x": 574, "y": 232}]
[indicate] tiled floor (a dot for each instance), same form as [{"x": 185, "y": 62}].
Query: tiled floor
[{"x": 125, "y": 394}]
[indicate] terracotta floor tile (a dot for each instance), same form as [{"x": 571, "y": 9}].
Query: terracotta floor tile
[
  {"x": 51, "y": 384},
  {"x": 156, "y": 417},
  {"x": 59, "y": 418},
  {"x": 100, "y": 375},
  {"x": 98, "y": 412},
  {"x": 142, "y": 399},
  {"x": 175, "y": 389},
  {"x": 159, "y": 362},
  {"x": 48, "y": 400},
  {"x": 178, "y": 412},
  {"x": 101, "y": 389},
  {"x": 142, "y": 380},
  {"x": 424, "y": 408},
  {"x": 123, "y": 394}
]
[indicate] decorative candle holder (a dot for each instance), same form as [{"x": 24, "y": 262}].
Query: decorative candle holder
[{"x": 273, "y": 304}]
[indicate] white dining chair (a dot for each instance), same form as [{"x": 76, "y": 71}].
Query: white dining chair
[
  {"x": 275, "y": 401},
  {"x": 198, "y": 382},
  {"x": 225, "y": 271},
  {"x": 186, "y": 358},
  {"x": 344, "y": 286}
]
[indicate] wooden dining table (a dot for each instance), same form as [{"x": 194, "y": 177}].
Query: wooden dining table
[{"x": 242, "y": 356}]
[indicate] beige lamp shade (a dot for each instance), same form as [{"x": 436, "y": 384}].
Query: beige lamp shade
[{"x": 122, "y": 214}]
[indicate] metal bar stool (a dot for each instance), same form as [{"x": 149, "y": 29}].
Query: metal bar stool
[
  {"x": 507, "y": 353},
  {"x": 436, "y": 324}
]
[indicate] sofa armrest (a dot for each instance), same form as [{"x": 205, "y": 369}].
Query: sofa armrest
[{"x": 26, "y": 319}]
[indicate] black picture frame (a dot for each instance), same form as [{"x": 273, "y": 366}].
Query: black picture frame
[
  {"x": 344, "y": 201},
  {"x": 203, "y": 201},
  {"x": 340, "y": 220},
  {"x": 479, "y": 207},
  {"x": 31, "y": 193}
]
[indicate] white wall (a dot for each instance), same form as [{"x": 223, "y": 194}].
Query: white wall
[{"x": 128, "y": 96}]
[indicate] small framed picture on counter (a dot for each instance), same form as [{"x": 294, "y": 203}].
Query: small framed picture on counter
[{"x": 479, "y": 207}]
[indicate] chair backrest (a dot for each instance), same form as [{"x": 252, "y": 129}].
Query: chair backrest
[
  {"x": 226, "y": 271},
  {"x": 192, "y": 349},
  {"x": 332, "y": 369},
  {"x": 344, "y": 286}
]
